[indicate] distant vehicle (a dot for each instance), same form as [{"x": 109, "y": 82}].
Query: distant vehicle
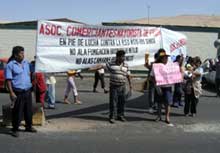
[
  {"x": 3, "y": 62},
  {"x": 209, "y": 78},
  {"x": 209, "y": 72}
]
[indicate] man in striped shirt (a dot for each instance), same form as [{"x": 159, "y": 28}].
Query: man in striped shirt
[{"x": 119, "y": 72}]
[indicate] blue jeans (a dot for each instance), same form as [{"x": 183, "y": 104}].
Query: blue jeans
[
  {"x": 50, "y": 95},
  {"x": 177, "y": 93}
]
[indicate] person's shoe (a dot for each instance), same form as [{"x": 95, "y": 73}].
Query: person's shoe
[
  {"x": 168, "y": 123},
  {"x": 175, "y": 105},
  {"x": 67, "y": 102},
  {"x": 50, "y": 107},
  {"x": 32, "y": 130},
  {"x": 186, "y": 115},
  {"x": 158, "y": 119},
  {"x": 94, "y": 90},
  {"x": 105, "y": 91},
  {"x": 181, "y": 104},
  {"x": 154, "y": 107},
  {"x": 78, "y": 102},
  {"x": 111, "y": 120},
  {"x": 193, "y": 115},
  {"x": 121, "y": 118},
  {"x": 14, "y": 133}
]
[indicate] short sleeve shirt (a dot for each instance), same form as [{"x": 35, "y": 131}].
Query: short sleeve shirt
[
  {"x": 19, "y": 74},
  {"x": 118, "y": 73}
]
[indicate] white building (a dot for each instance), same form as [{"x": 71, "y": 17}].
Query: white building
[{"x": 22, "y": 34}]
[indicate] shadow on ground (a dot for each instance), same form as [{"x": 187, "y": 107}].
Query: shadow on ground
[
  {"x": 4, "y": 129},
  {"x": 100, "y": 112},
  {"x": 137, "y": 103}
]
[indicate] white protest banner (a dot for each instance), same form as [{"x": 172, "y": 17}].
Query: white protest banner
[
  {"x": 173, "y": 42},
  {"x": 167, "y": 74},
  {"x": 62, "y": 46}
]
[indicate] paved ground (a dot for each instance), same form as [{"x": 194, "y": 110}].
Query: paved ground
[{"x": 84, "y": 128}]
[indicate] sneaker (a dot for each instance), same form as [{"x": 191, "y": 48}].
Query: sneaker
[
  {"x": 121, "y": 118},
  {"x": 32, "y": 130},
  {"x": 169, "y": 124},
  {"x": 14, "y": 133},
  {"x": 111, "y": 120}
]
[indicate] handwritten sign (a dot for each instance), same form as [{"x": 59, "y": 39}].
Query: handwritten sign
[{"x": 167, "y": 74}]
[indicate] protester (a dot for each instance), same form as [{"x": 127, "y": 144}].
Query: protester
[
  {"x": 178, "y": 87},
  {"x": 164, "y": 92},
  {"x": 51, "y": 91},
  {"x": 151, "y": 94},
  {"x": 99, "y": 75},
  {"x": 71, "y": 86},
  {"x": 39, "y": 85},
  {"x": 194, "y": 89},
  {"x": 17, "y": 74},
  {"x": 119, "y": 71}
]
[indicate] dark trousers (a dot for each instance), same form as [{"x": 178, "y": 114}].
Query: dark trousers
[
  {"x": 40, "y": 97},
  {"x": 117, "y": 100},
  {"x": 217, "y": 83},
  {"x": 23, "y": 106},
  {"x": 177, "y": 95},
  {"x": 98, "y": 77},
  {"x": 190, "y": 103},
  {"x": 151, "y": 97}
]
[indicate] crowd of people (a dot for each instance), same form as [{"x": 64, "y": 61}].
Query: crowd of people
[
  {"x": 185, "y": 93},
  {"x": 22, "y": 80}
]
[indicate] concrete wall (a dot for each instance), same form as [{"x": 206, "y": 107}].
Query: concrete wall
[
  {"x": 201, "y": 44},
  {"x": 11, "y": 37}
]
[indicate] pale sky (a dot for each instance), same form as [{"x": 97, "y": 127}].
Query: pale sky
[{"x": 97, "y": 11}]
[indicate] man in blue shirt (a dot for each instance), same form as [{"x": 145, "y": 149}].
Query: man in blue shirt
[{"x": 17, "y": 74}]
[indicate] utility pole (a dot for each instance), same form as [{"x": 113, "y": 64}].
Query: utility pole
[{"x": 148, "y": 14}]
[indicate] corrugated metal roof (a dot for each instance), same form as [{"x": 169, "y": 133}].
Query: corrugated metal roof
[
  {"x": 182, "y": 20},
  {"x": 35, "y": 21},
  {"x": 31, "y": 24}
]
